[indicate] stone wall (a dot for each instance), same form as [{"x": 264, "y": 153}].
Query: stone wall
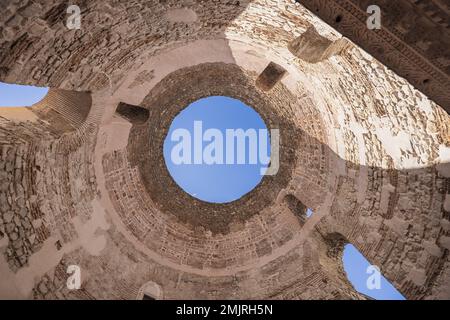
[
  {"x": 414, "y": 38},
  {"x": 81, "y": 185},
  {"x": 42, "y": 189}
]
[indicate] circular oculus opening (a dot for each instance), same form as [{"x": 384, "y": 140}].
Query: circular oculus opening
[{"x": 217, "y": 149}]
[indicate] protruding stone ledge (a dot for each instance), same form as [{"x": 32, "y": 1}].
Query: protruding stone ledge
[
  {"x": 134, "y": 114},
  {"x": 313, "y": 48},
  {"x": 271, "y": 75}
]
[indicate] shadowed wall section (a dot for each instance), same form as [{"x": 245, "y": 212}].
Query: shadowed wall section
[
  {"x": 65, "y": 111},
  {"x": 134, "y": 114},
  {"x": 41, "y": 144}
]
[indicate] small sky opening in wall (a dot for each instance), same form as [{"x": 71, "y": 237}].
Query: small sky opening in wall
[
  {"x": 358, "y": 272},
  {"x": 216, "y": 183},
  {"x": 14, "y": 95}
]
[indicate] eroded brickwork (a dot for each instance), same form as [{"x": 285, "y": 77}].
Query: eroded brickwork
[{"x": 80, "y": 185}]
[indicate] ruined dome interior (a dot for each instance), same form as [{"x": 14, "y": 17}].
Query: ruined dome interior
[{"x": 364, "y": 142}]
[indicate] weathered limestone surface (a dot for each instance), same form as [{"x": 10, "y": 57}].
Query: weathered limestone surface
[
  {"x": 313, "y": 48},
  {"x": 414, "y": 39},
  {"x": 83, "y": 181}
]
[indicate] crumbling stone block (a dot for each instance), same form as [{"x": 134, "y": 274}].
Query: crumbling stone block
[
  {"x": 314, "y": 48},
  {"x": 271, "y": 75}
]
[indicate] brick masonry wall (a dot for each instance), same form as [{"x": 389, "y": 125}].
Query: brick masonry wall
[{"x": 362, "y": 147}]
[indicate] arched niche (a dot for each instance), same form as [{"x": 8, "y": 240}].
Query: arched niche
[{"x": 150, "y": 291}]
